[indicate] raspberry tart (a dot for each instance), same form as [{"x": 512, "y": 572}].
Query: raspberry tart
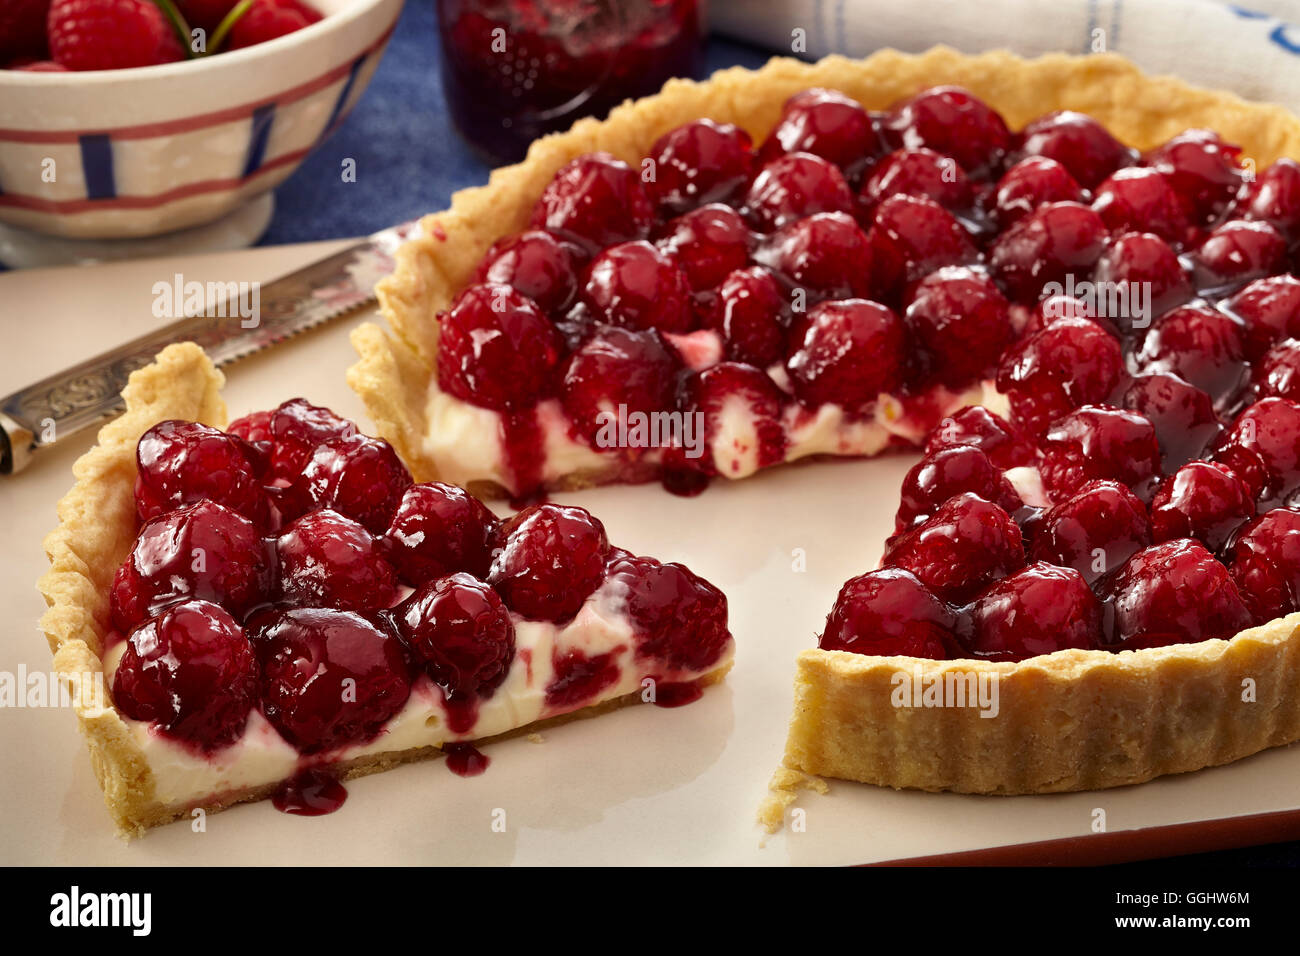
[
  {"x": 267, "y": 610},
  {"x": 1073, "y": 285}
]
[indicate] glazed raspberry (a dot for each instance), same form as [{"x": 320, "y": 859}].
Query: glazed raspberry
[
  {"x": 1038, "y": 610},
  {"x": 962, "y": 320},
  {"x": 751, "y": 304},
  {"x": 439, "y": 529},
  {"x": 202, "y": 551},
  {"x": 1261, "y": 447},
  {"x": 254, "y": 428},
  {"x": 917, "y": 172},
  {"x": 1202, "y": 346},
  {"x": 707, "y": 243},
  {"x": 1174, "y": 593},
  {"x": 1098, "y": 441},
  {"x": 297, "y": 428},
  {"x": 536, "y": 265},
  {"x": 1273, "y": 197},
  {"x": 1094, "y": 531},
  {"x": 826, "y": 254},
  {"x": 850, "y": 351},
  {"x": 828, "y": 124},
  {"x": 1265, "y": 563},
  {"x": 791, "y": 187},
  {"x": 1030, "y": 183},
  {"x": 461, "y": 634},
  {"x": 1182, "y": 415},
  {"x": 964, "y": 546},
  {"x": 1145, "y": 276},
  {"x": 910, "y": 238},
  {"x": 1054, "y": 307},
  {"x": 679, "y": 620},
  {"x": 550, "y": 559},
  {"x": 595, "y": 201},
  {"x": 975, "y": 425},
  {"x": 110, "y": 34},
  {"x": 269, "y": 19},
  {"x": 1201, "y": 500},
  {"x": 1079, "y": 143},
  {"x": 1054, "y": 241},
  {"x": 1270, "y": 309},
  {"x": 1278, "y": 373},
  {"x": 636, "y": 286},
  {"x": 330, "y": 678},
  {"x": 698, "y": 163},
  {"x": 328, "y": 560},
  {"x": 1239, "y": 251},
  {"x": 944, "y": 474},
  {"x": 179, "y": 463},
  {"x": 357, "y": 476},
  {"x": 1139, "y": 198},
  {"x": 886, "y": 613},
  {"x": 742, "y": 409},
  {"x": 951, "y": 121},
  {"x": 496, "y": 349},
  {"x": 191, "y": 671},
  {"x": 1070, "y": 363},
  {"x": 614, "y": 367},
  {"x": 1203, "y": 170}
]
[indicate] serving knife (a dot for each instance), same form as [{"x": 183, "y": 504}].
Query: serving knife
[{"x": 48, "y": 411}]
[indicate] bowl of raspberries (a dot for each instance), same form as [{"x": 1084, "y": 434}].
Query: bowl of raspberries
[{"x": 137, "y": 118}]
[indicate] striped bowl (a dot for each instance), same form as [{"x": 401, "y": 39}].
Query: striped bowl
[{"x": 121, "y": 153}]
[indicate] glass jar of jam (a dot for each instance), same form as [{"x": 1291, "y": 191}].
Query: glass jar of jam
[{"x": 514, "y": 70}]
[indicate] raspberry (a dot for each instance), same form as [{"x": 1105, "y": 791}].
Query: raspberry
[
  {"x": 976, "y": 426},
  {"x": 708, "y": 243},
  {"x": 1099, "y": 441},
  {"x": 1265, "y": 563},
  {"x": 269, "y": 19},
  {"x": 202, "y": 551},
  {"x": 1140, "y": 199},
  {"x": 595, "y": 201},
  {"x": 110, "y": 34},
  {"x": 794, "y": 186},
  {"x": 497, "y": 350},
  {"x": 1055, "y": 241},
  {"x": 1094, "y": 531},
  {"x": 551, "y": 558},
  {"x": 1038, "y": 610},
  {"x": 827, "y": 254},
  {"x": 1070, "y": 363},
  {"x": 181, "y": 463},
  {"x": 828, "y": 124},
  {"x": 636, "y": 286},
  {"x": 1030, "y": 183},
  {"x": 614, "y": 367},
  {"x": 536, "y": 265},
  {"x": 1201, "y": 500},
  {"x": 679, "y": 620},
  {"x": 917, "y": 172},
  {"x": 1079, "y": 143},
  {"x": 944, "y": 474},
  {"x": 751, "y": 306},
  {"x": 330, "y": 678},
  {"x": 850, "y": 352},
  {"x": 1203, "y": 170},
  {"x": 439, "y": 529},
  {"x": 457, "y": 627},
  {"x": 742, "y": 410},
  {"x": 911, "y": 237},
  {"x": 298, "y": 428},
  {"x": 700, "y": 162},
  {"x": 327, "y": 560},
  {"x": 889, "y": 612},
  {"x": 357, "y": 476},
  {"x": 1200, "y": 345},
  {"x": 192, "y": 672},
  {"x": 963, "y": 547},
  {"x": 954, "y": 122},
  {"x": 962, "y": 320}
]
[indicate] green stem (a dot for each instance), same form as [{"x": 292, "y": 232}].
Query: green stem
[
  {"x": 179, "y": 26},
  {"x": 230, "y": 19}
]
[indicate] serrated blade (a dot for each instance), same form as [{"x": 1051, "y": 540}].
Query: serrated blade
[{"x": 63, "y": 404}]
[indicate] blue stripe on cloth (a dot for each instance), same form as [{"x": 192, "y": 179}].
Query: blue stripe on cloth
[
  {"x": 97, "y": 166},
  {"x": 259, "y": 133}
]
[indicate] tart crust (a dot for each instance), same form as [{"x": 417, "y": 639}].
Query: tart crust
[
  {"x": 1068, "y": 721},
  {"x": 97, "y": 527},
  {"x": 396, "y": 366}
]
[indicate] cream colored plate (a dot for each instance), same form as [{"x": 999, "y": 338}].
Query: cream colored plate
[{"x": 643, "y": 785}]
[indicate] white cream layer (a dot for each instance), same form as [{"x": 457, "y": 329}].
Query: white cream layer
[
  {"x": 466, "y": 443},
  {"x": 262, "y": 757}
]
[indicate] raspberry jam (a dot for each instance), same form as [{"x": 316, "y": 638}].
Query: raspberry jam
[{"x": 514, "y": 70}]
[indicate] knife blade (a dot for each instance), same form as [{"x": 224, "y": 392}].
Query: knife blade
[{"x": 67, "y": 402}]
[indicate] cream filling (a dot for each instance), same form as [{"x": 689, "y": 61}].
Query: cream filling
[
  {"x": 467, "y": 443},
  {"x": 262, "y": 757}
]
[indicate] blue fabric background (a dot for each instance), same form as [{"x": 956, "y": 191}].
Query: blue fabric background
[{"x": 409, "y": 159}]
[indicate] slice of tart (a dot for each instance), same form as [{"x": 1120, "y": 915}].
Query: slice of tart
[{"x": 266, "y": 610}]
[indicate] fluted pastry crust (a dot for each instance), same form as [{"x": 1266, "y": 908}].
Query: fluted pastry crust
[{"x": 1069, "y": 721}]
